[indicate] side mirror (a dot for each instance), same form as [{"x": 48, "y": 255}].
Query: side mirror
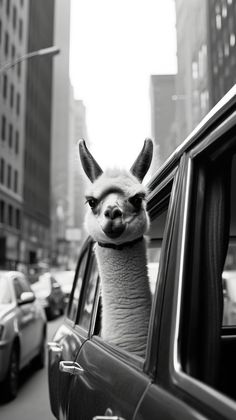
[{"x": 26, "y": 297}]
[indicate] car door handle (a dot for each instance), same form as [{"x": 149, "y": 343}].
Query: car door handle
[
  {"x": 108, "y": 418},
  {"x": 71, "y": 367}
]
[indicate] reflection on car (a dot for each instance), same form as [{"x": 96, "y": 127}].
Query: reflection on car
[
  {"x": 49, "y": 293},
  {"x": 22, "y": 329},
  {"x": 189, "y": 368}
]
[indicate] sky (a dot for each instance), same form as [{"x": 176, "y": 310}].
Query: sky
[{"x": 115, "y": 46}]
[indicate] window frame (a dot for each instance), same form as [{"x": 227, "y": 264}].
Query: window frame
[
  {"x": 208, "y": 396},
  {"x": 159, "y": 193}
]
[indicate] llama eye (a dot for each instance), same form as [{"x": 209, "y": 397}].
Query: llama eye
[
  {"x": 136, "y": 201},
  {"x": 92, "y": 202}
]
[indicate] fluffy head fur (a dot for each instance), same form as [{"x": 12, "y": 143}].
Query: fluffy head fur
[
  {"x": 116, "y": 198},
  {"x": 122, "y": 193}
]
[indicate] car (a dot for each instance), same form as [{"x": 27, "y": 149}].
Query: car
[
  {"x": 229, "y": 286},
  {"x": 23, "y": 330},
  {"x": 49, "y": 293},
  {"x": 188, "y": 370},
  {"x": 65, "y": 279}
]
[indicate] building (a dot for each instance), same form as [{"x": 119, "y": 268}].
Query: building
[
  {"x": 13, "y": 44},
  {"x": 162, "y": 93},
  {"x": 35, "y": 244},
  {"x": 206, "y": 56},
  {"x": 192, "y": 80},
  {"x": 222, "y": 47},
  {"x": 61, "y": 132}
]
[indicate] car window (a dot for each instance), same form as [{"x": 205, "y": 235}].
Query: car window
[
  {"x": 156, "y": 234},
  {"x": 207, "y": 345},
  {"x": 20, "y": 286},
  {"x": 86, "y": 309},
  {"x": 77, "y": 286},
  {"x": 5, "y": 295}
]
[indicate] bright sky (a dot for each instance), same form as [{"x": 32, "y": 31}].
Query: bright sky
[{"x": 115, "y": 46}]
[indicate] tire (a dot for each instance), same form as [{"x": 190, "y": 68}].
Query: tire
[
  {"x": 39, "y": 360},
  {"x": 11, "y": 382}
]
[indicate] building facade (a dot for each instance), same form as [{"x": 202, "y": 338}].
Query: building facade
[
  {"x": 13, "y": 44},
  {"x": 61, "y": 133},
  {"x": 206, "y": 57},
  {"x": 35, "y": 244}
]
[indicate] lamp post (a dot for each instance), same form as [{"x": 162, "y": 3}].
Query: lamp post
[{"x": 45, "y": 51}]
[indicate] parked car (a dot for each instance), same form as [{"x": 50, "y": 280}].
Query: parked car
[
  {"x": 189, "y": 368},
  {"x": 49, "y": 292},
  {"x": 65, "y": 279},
  {"x": 22, "y": 329},
  {"x": 229, "y": 287}
]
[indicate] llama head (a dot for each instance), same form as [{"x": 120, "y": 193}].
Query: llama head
[{"x": 116, "y": 198}]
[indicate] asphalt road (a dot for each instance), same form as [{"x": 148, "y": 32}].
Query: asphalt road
[{"x": 32, "y": 401}]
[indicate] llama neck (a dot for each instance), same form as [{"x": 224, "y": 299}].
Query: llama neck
[{"x": 126, "y": 296}]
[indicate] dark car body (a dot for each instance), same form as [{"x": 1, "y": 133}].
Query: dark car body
[
  {"x": 189, "y": 370},
  {"x": 22, "y": 329},
  {"x": 49, "y": 293}
]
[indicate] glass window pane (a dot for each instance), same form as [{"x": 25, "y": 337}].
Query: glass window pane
[{"x": 86, "y": 312}]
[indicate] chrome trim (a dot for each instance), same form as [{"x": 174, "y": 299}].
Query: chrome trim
[
  {"x": 71, "y": 367},
  {"x": 176, "y": 362}
]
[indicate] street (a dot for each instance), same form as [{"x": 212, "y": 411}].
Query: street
[{"x": 32, "y": 401}]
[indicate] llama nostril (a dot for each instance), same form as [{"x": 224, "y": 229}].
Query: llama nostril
[{"x": 112, "y": 212}]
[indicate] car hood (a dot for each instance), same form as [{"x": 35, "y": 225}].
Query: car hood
[{"x": 5, "y": 309}]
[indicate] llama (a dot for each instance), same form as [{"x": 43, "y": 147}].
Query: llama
[{"x": 117, "y": 220}]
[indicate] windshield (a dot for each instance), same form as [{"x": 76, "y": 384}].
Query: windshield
[{"x": 5, "y": 292}]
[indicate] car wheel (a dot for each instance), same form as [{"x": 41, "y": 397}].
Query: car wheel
[
  {"x": 40, "y": 358},
  {"x": 12, "y": 378}
]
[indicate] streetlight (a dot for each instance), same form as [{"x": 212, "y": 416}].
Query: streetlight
[{"x": 45, "y": 51}]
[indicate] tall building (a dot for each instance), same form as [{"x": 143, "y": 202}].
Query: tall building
[
  {"x": 61, "y": 130},
  {"x": 192, "y": 80},
  {"x": 36, "y": 230},
  {"x": 206, "y": 56},
  {"x": 162, "y": 93},
  {"x": 222, "y": 47},
  {"x": 13, "y": 44}
]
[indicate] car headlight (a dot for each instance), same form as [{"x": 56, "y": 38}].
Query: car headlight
[{"x": 1, "y": 331}]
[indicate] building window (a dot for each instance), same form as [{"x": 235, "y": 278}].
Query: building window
[
  {"x": 232, "y": 40},
  {"x": 19, "y": 69},
  {"x": 10, "y": 215},
  {"x": 15, "y": 181},
  {"x": 9, "y": 172},
  {"x": 218, "y": 22},
  {"x": 2, "y": 171},
  {"x": 17, "y": 142},
  {"x": 6, "y": 46},
  {"x": 20, "y": 29},
  {"x": 12, "y": 96},
  {"x": 10, "y": 135},
  {"x": 2, "y": 211},
  {"x": 0, "y": 31},
  {"x": 3, "y": 129},
  {"x": 18, "y": 219},
  {"x": 5, "y": 82},
  {"x": 14, "y": 17},
  {"x": 13, "y": 51},
  {"x": 18, "y": 104},
  {"x": 8, "y": 6}
]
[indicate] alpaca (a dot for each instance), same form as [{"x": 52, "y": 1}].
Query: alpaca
[{"x": 117, "y": 220}]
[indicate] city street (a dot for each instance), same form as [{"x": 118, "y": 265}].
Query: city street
[{"x": 32, "y": 401}]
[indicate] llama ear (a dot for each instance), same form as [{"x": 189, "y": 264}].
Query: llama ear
[
  {"x": 90, "y": 166},
  {"x": 143, "y": 161}
]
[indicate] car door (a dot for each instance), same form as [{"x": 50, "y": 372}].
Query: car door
[
  {"x": 67, "y": 340},
  {"x": 109, "y": 382}
]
